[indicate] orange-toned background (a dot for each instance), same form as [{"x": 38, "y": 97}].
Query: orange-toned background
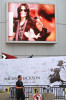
[{"x": 34, "y": 12}]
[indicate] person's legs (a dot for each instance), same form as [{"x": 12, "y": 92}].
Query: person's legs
[
  {"x": 18, "y": 98},
  {"x": 22, "y": 96},
  {"x": 18, "y": 95}
]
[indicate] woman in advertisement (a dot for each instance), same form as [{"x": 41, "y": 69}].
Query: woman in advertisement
[{"x": 28, "y": 29}]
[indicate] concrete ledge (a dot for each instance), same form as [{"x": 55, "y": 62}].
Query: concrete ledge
[
  {"x": 47, "y": 96},
  {"x": 4, "y": 96}
]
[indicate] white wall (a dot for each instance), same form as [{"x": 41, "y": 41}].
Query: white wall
[{"x": 24, "y": 50}]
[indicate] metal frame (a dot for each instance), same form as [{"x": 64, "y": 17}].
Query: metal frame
[
  {"x": 52, "y": 42},
  {"x": 57, "y": 90}
]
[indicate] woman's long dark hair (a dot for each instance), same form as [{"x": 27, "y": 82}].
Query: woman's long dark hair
[{"x": 19, "y": 10}]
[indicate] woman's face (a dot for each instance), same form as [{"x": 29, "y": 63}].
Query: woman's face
[{"x": 23, "y": 12}]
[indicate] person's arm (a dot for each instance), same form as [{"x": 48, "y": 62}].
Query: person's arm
[
  {"x": 19, "y": 87},
  {"x": 39, "y": 24},
  {"x": 24, "y": 90}
]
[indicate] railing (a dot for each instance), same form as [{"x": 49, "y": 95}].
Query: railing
[{"x": 58, "y": 91}]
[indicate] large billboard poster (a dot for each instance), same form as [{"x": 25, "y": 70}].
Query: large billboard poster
[
  {"x": 31, "y": 22},
  {"x": 35, "y": 71}
]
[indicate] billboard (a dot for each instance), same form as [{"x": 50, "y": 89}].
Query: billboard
[
  {"x": 30, "y": 23},
  {"x": 35, "y": 71}
]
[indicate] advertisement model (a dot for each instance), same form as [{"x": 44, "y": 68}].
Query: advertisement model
[{"x": 30, "y": 23}]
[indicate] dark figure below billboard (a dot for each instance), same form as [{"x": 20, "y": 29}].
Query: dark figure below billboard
[{"x": 20, "y": 89}]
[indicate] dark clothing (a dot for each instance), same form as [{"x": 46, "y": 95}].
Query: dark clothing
[
  {"x": 29, "y": 23},
  {"x": 19, "y": 92},
  {"x": 19, "y": 84}
]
